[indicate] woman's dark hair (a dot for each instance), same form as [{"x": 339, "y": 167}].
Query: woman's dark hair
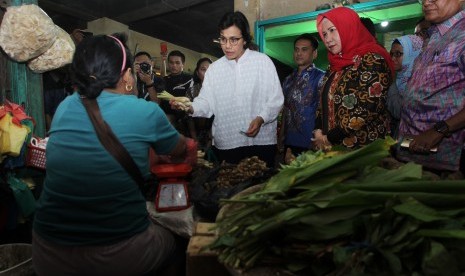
[
  {"x": 239, "y": 20},
  {"x": 396, "y": 41},
  {"x": 98, "y": 63},
  {"x": 197, "y": 67}
]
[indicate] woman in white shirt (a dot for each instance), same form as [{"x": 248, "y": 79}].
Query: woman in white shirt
[{"x": 243, "y": 91}]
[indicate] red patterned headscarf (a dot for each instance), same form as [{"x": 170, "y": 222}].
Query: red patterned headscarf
[{"x": 355, "y": 38}]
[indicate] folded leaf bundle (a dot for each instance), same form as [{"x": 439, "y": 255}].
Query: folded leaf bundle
[{"x": 339, "y": 212}]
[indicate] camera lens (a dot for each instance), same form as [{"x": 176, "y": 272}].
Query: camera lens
[{"x": 145, "y": 67}]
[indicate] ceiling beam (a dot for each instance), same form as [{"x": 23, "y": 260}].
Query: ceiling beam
[
  {"x": 84, "y": 14},
  {"x": 156, "y": 8}
]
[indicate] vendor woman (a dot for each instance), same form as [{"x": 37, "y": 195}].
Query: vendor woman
[{"x": 91, "y": 218}]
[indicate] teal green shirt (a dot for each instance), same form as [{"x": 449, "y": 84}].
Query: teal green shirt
[{"x": 88, "y": 198}]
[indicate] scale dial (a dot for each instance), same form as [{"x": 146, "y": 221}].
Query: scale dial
[{"x": 172, "y": 196}]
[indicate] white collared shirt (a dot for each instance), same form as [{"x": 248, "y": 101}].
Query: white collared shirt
[{"x": 238, "y": 92}]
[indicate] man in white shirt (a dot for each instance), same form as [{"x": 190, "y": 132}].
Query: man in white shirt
[{"x": 243, "y": 91}]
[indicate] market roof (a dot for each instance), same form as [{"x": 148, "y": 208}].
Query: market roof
[{"x": 188, "y": 23}]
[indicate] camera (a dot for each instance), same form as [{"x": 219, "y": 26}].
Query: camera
[{"x": 145, "y": 67}]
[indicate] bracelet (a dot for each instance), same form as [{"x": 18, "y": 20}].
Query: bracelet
[{"x": 150, "y": 85}]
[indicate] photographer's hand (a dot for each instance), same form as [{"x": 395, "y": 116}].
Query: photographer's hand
[
  {"x": 145, "y": 78},
  {"x": 148, "y": 83}
]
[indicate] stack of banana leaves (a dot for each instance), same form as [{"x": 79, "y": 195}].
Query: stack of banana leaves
[{"x": 339, "y": 213}]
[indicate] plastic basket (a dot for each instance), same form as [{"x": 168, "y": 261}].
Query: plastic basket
[
  {"x": 16, "y": 259},
  {"x": 35, "y": 157}
]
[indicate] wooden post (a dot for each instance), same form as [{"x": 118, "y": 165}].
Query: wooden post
[{"x": 26, "y": 87}]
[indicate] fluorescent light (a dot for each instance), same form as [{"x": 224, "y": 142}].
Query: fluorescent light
[{"x": 384, "y": 24}]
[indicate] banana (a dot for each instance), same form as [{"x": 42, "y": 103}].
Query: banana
[{"x": 182, "y": 103}]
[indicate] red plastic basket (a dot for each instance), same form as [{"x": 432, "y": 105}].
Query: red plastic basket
[{"x": 35, "y": 157}]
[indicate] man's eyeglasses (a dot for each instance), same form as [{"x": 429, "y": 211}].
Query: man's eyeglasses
[
  {"x": 429, "y": 1},
  {"x": 232, "y": 40},
  {"x": 396, "y": 54}
]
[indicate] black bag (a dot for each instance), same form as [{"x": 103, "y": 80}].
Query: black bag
[{"x": 206, "y": 193}]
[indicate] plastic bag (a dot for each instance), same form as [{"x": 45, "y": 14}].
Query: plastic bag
[
  {"x": 26, "y": 32},
  {"x": 13, "y": 136},
  {"x": 23, "y": 195},
  {"x": 179, "y": 222},
  {"x": 4, "y": 135},
  {"x": 60, "y": 54},
  {"x": 16, "y": 110},
  {"x": 15, "y": 129},
  {"x": 13, "y": 162}
]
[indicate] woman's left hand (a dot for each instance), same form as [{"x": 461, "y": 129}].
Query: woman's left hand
[
  {"x": 254, "y": 127},
  {"x": 320, "y": 141}
]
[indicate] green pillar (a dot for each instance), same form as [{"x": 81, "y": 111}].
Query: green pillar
[{"x": 26, "y": 87}]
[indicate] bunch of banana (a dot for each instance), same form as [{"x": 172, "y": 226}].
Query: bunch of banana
[{"x": 182, "y": 102}]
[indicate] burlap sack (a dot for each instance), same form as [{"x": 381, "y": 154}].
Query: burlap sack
[
  {"x": 26, "y": 32},
  {"x": 60, "y": 54}
]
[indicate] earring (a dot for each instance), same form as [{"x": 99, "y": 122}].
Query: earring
[{"x": 128, "y": 87}]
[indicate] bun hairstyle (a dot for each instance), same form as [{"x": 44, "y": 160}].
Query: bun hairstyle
[
  {"x": 239, "y": 20},
  {"x": 98, "y": 63}
]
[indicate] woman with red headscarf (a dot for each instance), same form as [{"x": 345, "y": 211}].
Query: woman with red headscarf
[{"x": 353, "y": 94}]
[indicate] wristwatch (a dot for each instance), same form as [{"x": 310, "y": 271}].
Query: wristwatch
[{"x": 442, "y": 128}]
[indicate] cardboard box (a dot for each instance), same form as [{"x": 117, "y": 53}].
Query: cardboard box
[
  {"x": 201, "y": 261},
  {"x": 205, "y": 229}
]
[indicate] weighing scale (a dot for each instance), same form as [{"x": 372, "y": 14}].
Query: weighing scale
[{"x": 172, "y": 192}]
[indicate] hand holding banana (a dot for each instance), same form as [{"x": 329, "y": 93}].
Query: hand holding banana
[{"x": 179, "y": 103}]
